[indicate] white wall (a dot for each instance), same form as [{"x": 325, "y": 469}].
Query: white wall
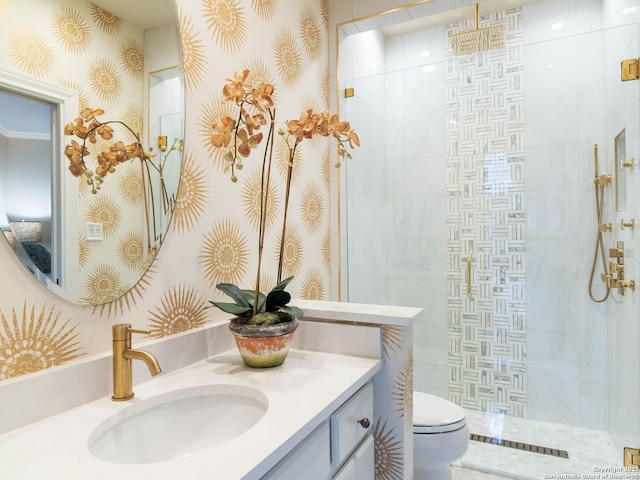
[{"x": 29, "y": 160}]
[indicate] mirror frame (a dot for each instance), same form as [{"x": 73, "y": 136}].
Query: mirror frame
[{"x": 65, "y": 104}]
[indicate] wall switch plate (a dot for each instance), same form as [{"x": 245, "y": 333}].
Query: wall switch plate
[{"x": 93, "y": 232}]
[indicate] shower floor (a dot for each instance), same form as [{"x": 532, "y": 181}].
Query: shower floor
[{"x": 588, "y": 450}]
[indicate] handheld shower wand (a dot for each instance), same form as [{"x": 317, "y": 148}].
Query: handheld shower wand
[{"x": 600, "y": 181}]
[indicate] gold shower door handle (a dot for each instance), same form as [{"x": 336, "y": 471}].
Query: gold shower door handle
[{"x": 468, "y": 275}]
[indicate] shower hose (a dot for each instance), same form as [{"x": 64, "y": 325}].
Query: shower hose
[{"x": 600, "y": 183}]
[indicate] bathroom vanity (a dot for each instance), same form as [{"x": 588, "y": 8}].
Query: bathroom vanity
[
  {"x": 301, "y": 397},
  {"x": 313, "y": 417}
]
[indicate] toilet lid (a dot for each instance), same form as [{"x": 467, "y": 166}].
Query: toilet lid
[{"x": 433, "y": 414}]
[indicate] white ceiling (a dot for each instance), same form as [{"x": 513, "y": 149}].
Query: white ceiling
[{"x": 146, "y": 14}]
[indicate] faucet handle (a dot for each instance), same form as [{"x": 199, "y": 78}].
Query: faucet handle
[
  {"x": 123, "y": 331},
  {"x": 143, "y": 332}
]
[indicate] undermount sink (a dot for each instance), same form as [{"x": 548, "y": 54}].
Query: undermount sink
[{"x": 177, "y": 423}]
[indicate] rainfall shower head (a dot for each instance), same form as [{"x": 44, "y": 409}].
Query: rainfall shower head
[{"x": 477, "y": 40}]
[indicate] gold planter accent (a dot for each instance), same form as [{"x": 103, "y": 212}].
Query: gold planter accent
[{"x": 263, "y": 346}]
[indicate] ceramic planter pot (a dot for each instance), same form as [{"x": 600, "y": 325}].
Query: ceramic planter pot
[{"x": 263, "y": 346}]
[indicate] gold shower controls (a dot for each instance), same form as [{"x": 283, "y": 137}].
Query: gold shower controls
[
  {"x": 605, "y": 227},
  {"x": 628, "y": 224},
  {"x": 617, "y": 253},
  {"x": 616, "y": 268},
  {"x": 615, "y": 276}
]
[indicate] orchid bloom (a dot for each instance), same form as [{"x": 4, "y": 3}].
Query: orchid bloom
[
  {"x": 87, "y": 127},
  {"x": 221, "y": 132},
  {"x": 262, "y": 96},
  {"x": 234, "y": 90}
]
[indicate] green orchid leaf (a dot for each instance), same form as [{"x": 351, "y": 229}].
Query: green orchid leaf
[
  {"x": 277, "y": 298},
  {"x": 232, "y": 308},
  {"x": 235, "y": 293},
  {"x": 250, "y": 294},
  {"x": 283, "y": 284}
]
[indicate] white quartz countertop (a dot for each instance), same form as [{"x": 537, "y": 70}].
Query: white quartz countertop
[{"x": 301, "y": 394}]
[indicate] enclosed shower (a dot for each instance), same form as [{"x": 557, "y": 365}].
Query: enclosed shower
[{"x": 472, "y": 197}]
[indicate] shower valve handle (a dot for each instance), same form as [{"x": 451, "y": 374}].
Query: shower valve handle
[
  {"x": 616, "y": 253},
  {"x": 616, "y": 268},
  {"x": 628, "y": 224}
]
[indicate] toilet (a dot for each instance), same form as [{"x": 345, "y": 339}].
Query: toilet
[{"x": 440, "y": 436}]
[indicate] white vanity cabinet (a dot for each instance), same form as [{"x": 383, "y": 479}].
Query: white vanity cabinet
[
  {"x": 309, "y": 460},
  {"x": 341, "y": 448}
]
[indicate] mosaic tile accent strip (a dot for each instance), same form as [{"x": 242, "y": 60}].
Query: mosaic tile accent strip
[{"x": 486, "y": 219}]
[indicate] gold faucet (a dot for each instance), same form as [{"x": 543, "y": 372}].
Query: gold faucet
[{"x": 122, "y": 356}]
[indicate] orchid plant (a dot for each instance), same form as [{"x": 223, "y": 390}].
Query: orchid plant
[
  {"x": 239, "y": 137},
  {"x": 87, "y": 128}
]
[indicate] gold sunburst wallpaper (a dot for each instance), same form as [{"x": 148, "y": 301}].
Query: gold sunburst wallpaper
[
  {"x": 192, "y": 194},
  {"x": 106, "y": 21},
  {"x": 288, "y": 58},
  {"x": 131, "y": 55},
  {"x": 71, "y": 29},
  {"x": 35, "y": 338},
  {"x": 252, "y": 200},
  {"x": 212, "y": 235},
  {"x": 224, "y": 255},
  {"x": 180, "y": 309},
  {"x": 226, "y": 22},
  {"x": 310, "y": 32},
  {"x": 193, "y": 52},
  {"x": 389, "y": 461},
  {"x": 265, "y": 9},
  {"x": 31, "y": 52}
]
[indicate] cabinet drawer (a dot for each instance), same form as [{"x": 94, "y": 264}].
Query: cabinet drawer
[
  {"x": 361, "y": 465},
  {"x": 309, "y": 460},
  {"x": 346, "y": 430}
]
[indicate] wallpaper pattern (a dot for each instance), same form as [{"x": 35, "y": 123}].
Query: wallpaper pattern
[{"x": 213, "y": 233}]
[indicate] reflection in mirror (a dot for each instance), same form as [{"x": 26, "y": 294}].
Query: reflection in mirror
[
  {"x": 166, "y": 126},
  {"x": 63, "y": 56},
  {"x": 31, "y": 122},
  {"x": 26, "y": 161}
]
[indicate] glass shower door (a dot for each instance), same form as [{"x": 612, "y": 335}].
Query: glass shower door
[{"x": 477, "y": 173}]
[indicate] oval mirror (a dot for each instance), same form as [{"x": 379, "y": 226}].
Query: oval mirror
[{"x": 89, "y": 246}]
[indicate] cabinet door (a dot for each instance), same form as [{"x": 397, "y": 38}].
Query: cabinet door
[
  {"x": 361, "y": 465},
  {"x": 350, "y": 424},
  {"x": 309, "y": 460}
]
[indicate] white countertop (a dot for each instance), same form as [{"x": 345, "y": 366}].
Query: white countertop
[
  {"x": 359, "y": 312},
  {"x": 301, "y": 393}
]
